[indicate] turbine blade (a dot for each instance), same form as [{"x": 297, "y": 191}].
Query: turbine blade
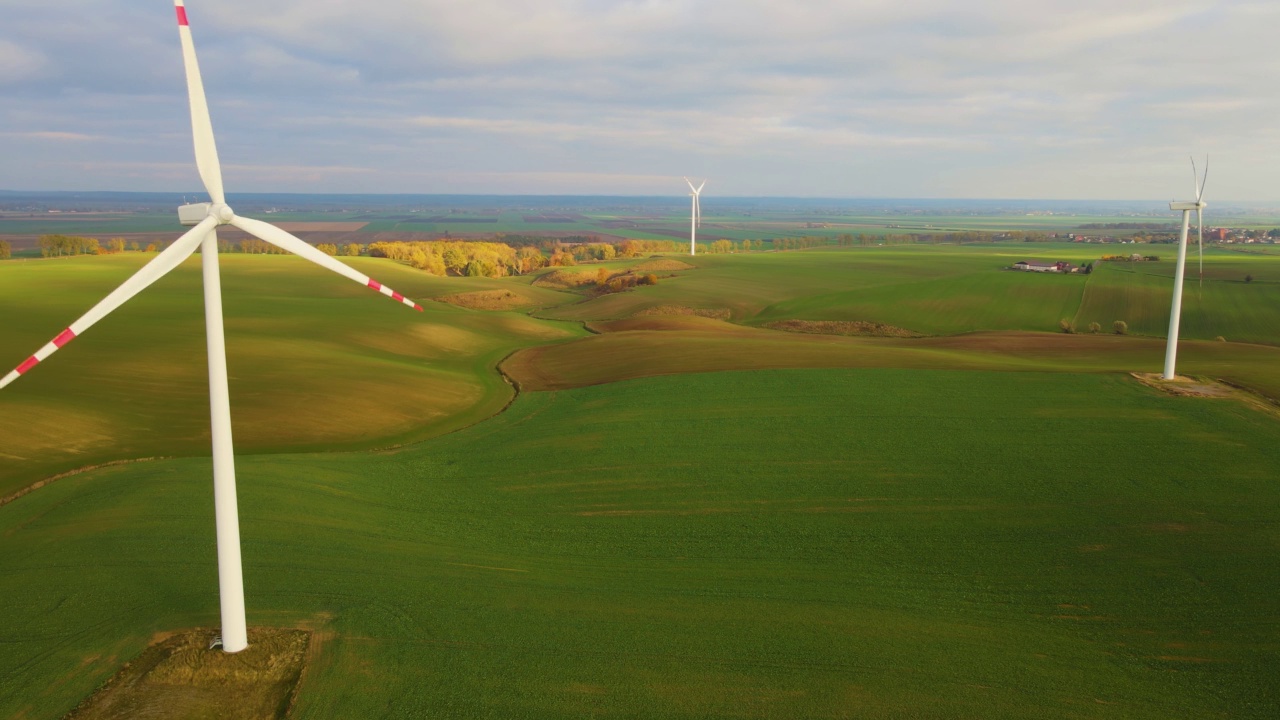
[
  {"x": 699, "y": 190},
  {"x": 697, "y": 208},
  {"x": 152, "y": 271},
  {"x": 281, "y": 239},
  {"x": 1195, "y": 178},
  {"x": 690, "y": 183},
  {"x": 1200, "y": 242},
  {"x": 1204, "y": 180},
  {"x": 201, "y": 127}
]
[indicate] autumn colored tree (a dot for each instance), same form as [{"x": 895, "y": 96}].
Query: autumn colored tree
[
  {"x": 530, "y": 258},
  {"x": 59, "y": 245},
  {"x": 6, "y": 251},
  {"x": 327, "y": 248},
  {"x": 455, "y": 260},
  {"x": 255, "y": 246}
]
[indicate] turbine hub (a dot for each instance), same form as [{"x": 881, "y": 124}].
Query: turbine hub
[{"x": 222, "y": 212}]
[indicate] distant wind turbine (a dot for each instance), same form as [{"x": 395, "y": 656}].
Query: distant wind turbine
[
  {"x": 206, "y": 217},
  {"x": 695, "y": 219},
  {"x": 1175, "y": 313}
]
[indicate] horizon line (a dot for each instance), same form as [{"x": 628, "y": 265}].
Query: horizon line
[{"x": 636, "y": 196}]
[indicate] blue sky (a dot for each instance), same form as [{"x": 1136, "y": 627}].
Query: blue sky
[{"x": 875, "y": 98}]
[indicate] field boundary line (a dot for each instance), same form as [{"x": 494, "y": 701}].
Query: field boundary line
[
  {"x": 87, "y": 468},
  {"x": 1084, "y": 295}
]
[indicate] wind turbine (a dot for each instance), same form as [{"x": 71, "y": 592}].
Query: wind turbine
[
  {"x": 206, "y": 218},
  {"x": 1175, "y": 314},
  {"x": 695, "y": 218}
]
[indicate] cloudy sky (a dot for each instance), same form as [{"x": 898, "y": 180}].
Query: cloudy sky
[{"x": 858, "y": 98}]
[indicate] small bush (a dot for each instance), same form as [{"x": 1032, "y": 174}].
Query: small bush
[
  {"x": 1121, "y": 327},
  {"x": 1095, "y": 328},
  {"x": 1065, "y": 326},
  {"x": 1248, "y": 278},
  {"x": 1220, "y": 339}
]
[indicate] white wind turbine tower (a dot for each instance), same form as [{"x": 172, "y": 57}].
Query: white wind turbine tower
[
  {"x": 206, "y": 217},
  {"x": 695, "y": 218},
  {"x": 1175, "y": 313}
]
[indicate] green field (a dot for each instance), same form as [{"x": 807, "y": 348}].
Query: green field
[
  {"x": 316, "y": 361},
  {"x": 786, "y": 543},
  {"x": 677, "y": 516}
]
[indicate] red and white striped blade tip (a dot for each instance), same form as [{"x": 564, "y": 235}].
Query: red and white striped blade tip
[
  {"x": 374, "y": 284},
  {"x": 50, "y": 348}
]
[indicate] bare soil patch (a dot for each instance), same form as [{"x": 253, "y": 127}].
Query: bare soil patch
[
  {"x": 487, "y": 300},
  {"x": 1185, "y": 386},
  {"x": 180, "y": 677},
  {"x": 1182, "y": 386},
  {"x": 842, "y": 327},
  {"x": 713, "y": 313}
]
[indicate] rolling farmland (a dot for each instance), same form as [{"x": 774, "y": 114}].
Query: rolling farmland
[{"x": 676, "y": 516}]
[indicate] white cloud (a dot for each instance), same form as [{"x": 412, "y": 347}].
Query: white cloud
[
  {"x": 18, "y": 63},
  {"x": 831, "y": 96}
]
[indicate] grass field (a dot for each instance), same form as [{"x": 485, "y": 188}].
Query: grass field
[
  {"x": 647, "y": 347},
  {"x": 866, "y": 543},
  {"x": 316, "y": 361},
  {"x": 677, "y": 516},
  {"x": 945, "y": 290},
  {"x": 1224, "y": 305}
]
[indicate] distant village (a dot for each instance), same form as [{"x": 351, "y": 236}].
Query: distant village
[{"x": 1221, "y": 235}]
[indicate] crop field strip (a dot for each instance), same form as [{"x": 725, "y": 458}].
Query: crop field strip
[{"x": 996, "y": 523}]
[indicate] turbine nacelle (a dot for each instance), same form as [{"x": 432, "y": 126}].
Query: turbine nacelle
[
  {"x": 1180, "y": 206},
  {"x": 191, "y": 215}
]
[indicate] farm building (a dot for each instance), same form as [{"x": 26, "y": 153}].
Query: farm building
[{"x": 1033, "y": 266}]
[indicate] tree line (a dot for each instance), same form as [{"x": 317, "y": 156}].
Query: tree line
[
  {"x": 349, "y": 250},
  {"x": 473, "y": 259},
  {"x": 500, "y": 259},
  {"x": 65, "y": 245}
]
